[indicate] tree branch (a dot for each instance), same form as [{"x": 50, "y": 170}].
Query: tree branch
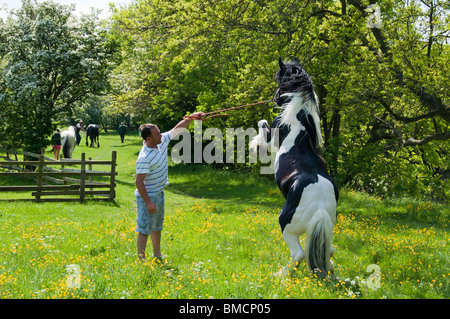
[
  {"x": 442, "y": 111},
  {"x": 433, "y": 137},
  {"x": 430, "y": 100}
]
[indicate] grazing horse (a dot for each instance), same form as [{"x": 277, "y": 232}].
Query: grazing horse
[
  {"x": 68, "y": 141},
  {"x": 92, "y": 133},
  {"x": 300, "y": 171}
]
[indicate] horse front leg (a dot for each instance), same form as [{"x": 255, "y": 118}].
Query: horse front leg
[
  {"x": 264, "y": 130},
  {"x": 262, "y": 139}
]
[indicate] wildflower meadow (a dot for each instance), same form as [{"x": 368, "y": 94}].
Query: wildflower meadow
[{"x": 221, "y": 240}]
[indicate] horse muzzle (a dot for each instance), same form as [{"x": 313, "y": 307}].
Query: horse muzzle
[{"x": 279, "y": 98}]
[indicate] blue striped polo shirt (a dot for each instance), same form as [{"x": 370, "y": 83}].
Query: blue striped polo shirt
[{"x": 154, "y": 163}]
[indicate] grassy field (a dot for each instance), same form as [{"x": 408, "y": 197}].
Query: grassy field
[{"x": 221, "y": 240}]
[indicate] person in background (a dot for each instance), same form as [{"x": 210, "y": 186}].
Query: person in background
[
  {"x": 56, "y": 144},
  {"x": 79, "y": 127},
  {"x": 122, "y": 131}
]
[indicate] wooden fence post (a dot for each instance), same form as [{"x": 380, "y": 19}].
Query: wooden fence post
[
  {"x": 112, "y": 181},
  {"x": 83, "y": 178},
  {"x": 39, "y": 177},
  {"x": 90, "y": 177}
]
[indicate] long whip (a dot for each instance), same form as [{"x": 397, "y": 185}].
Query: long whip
[{"x": 216, "y": 113}]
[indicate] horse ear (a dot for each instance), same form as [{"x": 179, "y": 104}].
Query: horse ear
[
  {"x": 296, "y": 69},
  {"x": 282, "y": 66}
]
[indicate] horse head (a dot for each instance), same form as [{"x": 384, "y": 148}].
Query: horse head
[
  {"x": 292, "y": 78},
  {"x": 298, "y": 100}
]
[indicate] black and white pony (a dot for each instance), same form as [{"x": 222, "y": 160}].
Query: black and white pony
[
  {"x": 92, "y": 133},
  {"x": 68, "y": 141},
  {"x": 300, "y": 171}
]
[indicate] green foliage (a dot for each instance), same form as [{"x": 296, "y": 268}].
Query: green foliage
[
  {"x": 384, "y": 106},
  {"x": 50, "y": 60}
]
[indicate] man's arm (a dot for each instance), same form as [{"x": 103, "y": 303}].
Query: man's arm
[
  {"x": 151, "y": 207},
  {"x": 183, "y": 125}
]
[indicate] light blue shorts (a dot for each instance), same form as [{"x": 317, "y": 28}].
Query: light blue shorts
[{"x": 146, "y": 223}]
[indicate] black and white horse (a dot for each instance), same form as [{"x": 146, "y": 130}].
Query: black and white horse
[
  {"x": 93, "y": 134},
  {"x": 300, "y": 171},
  {"x": 68, "y": 141}
]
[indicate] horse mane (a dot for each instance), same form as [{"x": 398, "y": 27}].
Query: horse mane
[{"x": 296, "y": 103}]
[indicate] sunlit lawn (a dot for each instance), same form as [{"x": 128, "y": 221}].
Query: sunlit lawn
[{"x": 221, "y": 240}]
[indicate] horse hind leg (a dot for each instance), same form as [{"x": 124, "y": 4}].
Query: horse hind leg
[
  {"x": 330, "y": 262},
  {"x": 297, "y": 254}
]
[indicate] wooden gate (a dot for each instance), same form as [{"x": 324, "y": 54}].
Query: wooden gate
[{"x": 65, "y": 182}]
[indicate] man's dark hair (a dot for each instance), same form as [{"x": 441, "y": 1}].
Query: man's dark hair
[{"x": 146, "y": 130}]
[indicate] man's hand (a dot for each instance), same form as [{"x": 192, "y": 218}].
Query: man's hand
[
  {"x": 185, "y": 123},
  {"x": 151, "y": 208},
  {"x": 198, "y": 115}
]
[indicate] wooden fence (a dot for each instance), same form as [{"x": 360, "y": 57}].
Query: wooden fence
[{"x": 64, "y": 180}]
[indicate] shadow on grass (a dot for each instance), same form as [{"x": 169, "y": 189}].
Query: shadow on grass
[{"x": 201, "y": 181}]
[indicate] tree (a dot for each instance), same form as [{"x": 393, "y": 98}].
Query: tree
[
  {"x": 379, "y": 67},
  {"x": 386, "y": 115},
  {"x": 50, "y": 60}
]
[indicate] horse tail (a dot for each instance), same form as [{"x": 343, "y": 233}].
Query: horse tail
[
  {"x": 318, "y": 242},
  {"x": 68, "y": 139}
]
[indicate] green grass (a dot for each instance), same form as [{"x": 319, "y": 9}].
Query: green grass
[{"x": 221, "y": 240}]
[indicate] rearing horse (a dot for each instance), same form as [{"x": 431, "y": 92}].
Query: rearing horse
[{"x": 300, "y": 171}]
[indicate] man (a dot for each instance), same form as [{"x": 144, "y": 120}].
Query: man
[
  {"x": 79, "y": 127},
  {"x": 122, "y": 131},
  {"x": 151, "y": 178}
]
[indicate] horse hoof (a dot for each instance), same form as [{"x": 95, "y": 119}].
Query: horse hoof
[
  {"x": 262, "y": 123},
  {"x": 331, "y": 266},
  {"x": 281, "y": 273}
]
